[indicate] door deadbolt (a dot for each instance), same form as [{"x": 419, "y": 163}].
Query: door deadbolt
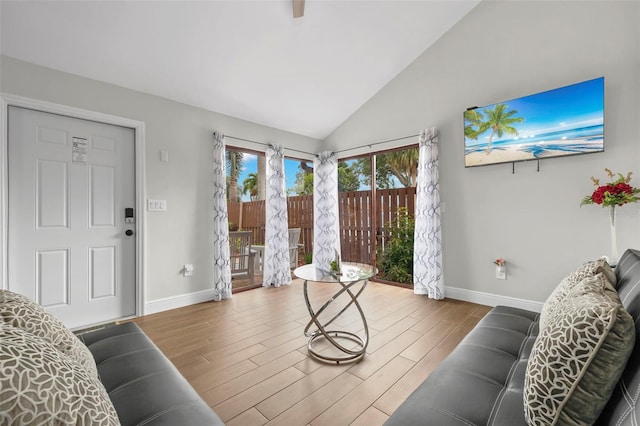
[
  {"x": 129, "y": 216},
  {"x": 128, "y": 232}
]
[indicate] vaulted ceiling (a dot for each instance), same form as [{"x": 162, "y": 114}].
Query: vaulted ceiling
[{"x": 247, "y": 59}]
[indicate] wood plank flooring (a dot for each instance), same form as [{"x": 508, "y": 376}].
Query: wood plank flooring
[{"x": 247, "y": 357}]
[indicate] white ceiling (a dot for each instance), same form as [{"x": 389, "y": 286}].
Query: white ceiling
[{"x": 247, "y": 59}]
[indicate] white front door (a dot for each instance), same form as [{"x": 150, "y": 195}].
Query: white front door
[{"x": 69, "y": 246}]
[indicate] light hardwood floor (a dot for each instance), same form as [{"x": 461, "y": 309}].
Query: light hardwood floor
[{"x": 247, "y": 356}]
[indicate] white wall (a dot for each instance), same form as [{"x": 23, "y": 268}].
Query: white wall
[
  {"x": 182, "y": 234},
  {"x": 499, "y": 51}
]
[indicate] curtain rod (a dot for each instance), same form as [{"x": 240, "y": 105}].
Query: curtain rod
[
  {"x": 335, "y": 152},
  {"x": 377, "y": 143},
  {"x": 266, "y": 144}
]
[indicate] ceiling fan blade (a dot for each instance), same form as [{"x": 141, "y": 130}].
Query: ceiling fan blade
[{"x": 298, "y": 8}]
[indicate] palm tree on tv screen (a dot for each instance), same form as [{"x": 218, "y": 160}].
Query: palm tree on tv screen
[
  {"x": 472, "y": 121},
  {"x": 500, "y": 122}
]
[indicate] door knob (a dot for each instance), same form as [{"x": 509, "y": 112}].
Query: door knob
[{"x": 128, "y": 232}]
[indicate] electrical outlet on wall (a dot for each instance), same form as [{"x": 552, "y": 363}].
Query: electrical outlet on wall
[
  {"x": 501, "y": 272},
  {"x": 187, "y": 270}
]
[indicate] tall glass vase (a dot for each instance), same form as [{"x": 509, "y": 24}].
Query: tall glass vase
[{"x": 613, "y": 259}]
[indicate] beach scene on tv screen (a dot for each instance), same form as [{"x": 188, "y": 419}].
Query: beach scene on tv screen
[{"x": 564, "y": 121}]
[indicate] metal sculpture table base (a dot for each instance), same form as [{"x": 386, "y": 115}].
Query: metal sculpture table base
[{"x": 331, "y": 336}]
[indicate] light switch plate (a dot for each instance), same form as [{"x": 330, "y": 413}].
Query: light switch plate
[{"x": 156, "y": 205}]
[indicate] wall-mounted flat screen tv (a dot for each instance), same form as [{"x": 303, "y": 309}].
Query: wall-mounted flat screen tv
[{"x": 559, "y": 122}]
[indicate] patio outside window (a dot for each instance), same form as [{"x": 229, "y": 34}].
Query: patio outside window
[{"x": 376, "y": 225}]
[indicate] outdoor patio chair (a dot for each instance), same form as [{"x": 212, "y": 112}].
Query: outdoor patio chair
[
  {"x": 241, "y": 255},
  {"x": 294, "y": 246}
]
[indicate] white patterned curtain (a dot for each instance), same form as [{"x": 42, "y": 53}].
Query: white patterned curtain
[
  {"x": 326, "y": 231},
  {"x": 221, "y": 267},
  {"x": 276, "y": 267},
  {"x": 427, "y": 251}
]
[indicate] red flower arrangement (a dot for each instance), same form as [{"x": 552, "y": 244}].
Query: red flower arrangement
[
  {"x": 618, "y": 192},
  {"x": 500, "y": 261}
]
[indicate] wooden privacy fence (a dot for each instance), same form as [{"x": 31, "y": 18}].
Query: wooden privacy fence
[
  {"x": 250, "y": 216},
  {"x": 357, "y": 225},
  {"x": 300, "y": 209},
  {"x": 355, "y": 216},
  {"x": 253, "y": 218},
  {"x": 233, "y": 210}
]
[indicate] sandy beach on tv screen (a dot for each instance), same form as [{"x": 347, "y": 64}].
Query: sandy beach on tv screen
[{"x": 505, "y": 155}]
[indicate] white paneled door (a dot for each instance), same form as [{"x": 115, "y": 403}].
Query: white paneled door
[{"x": 70, "y": 248}]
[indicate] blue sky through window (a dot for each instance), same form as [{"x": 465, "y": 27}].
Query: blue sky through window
[
  {"x": 291, "y": 168},
  {"x": 251, "y": 166}
]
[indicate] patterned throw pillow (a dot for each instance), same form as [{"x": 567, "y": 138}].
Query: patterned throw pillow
[
  {"x": 591, "y": 268},
  {"x": 558, "y": 295},
  {"x": 19, "y": 311},
  {"x": 39, "y": 385},
  {"x": 578, "y": 357}
]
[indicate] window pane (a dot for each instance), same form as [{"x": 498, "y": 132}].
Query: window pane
[
  {"x": 245, "y": 192},
  {"x": 396, "y": 173},
  {"x": 355, "y": 213},
  {"x": 397, "y": 169},
  {"x": 299, "y": 182},
  {"x": 299, "y": 176}
]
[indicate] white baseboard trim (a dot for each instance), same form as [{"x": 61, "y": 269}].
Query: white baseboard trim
[
  {"x": 173, "y": 302},
  {"x": 482, "y": 298},
  {"x": 490, "y": 299}
]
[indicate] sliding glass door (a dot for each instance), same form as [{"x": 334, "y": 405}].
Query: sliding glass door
[{"x": 377, "y": 203}]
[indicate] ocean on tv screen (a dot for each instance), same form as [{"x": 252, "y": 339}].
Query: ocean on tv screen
[{"x": 559, "y": 122}]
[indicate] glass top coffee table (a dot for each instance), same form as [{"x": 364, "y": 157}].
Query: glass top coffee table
[{"x": 350, "y": 346}]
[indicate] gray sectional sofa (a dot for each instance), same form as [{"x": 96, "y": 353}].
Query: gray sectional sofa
[
  {"x": 496, "y": 374},
  {"x": 575, "y": 363},
  {"x": 112, "y": 376},
  {"x": 143, "y": 385}
]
